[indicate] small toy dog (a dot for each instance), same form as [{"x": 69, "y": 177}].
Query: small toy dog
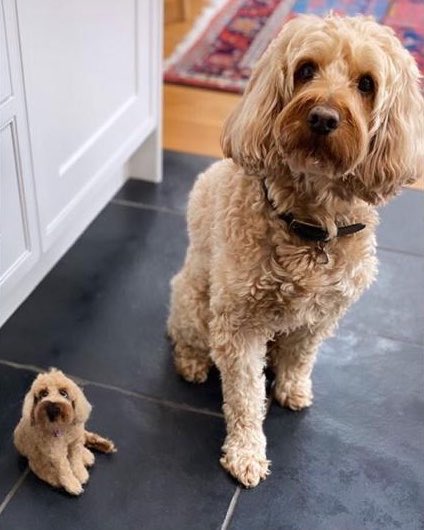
[{"x": 52, "y": 435}]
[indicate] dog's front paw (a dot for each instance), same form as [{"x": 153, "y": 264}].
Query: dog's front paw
[
  {"x": 248, "y": 467},
  {"x": 72, "y": 486},
  {"x": 295, "y": 396}
]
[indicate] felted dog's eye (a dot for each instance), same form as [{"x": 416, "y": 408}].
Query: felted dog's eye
[
  {"x": 305, "y": 72},
  {"x": 366, "y": 84},
  {"x": 43, "y": 393},
  {"x": 63, "y": 393}
]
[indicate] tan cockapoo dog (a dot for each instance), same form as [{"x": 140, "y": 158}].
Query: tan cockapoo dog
[
  {"x": 282, "y": 232},
  {"x": 51, "y": 432}
]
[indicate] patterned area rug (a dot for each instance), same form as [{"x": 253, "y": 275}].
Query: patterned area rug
[{"x": 231, "y": 35}]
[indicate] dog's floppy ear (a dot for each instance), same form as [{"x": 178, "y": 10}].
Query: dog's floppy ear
[
  {"x": 396, "y": 155},
  {"x": 247, "y": 135},
  {"x": 81, "y": 406},
  {"x": 28, "y": 407}
]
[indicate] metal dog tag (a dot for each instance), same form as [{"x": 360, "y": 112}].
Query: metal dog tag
[{"x": 321, "y": 255}]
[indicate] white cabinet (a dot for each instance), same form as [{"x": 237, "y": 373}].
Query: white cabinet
[
  {"x": 19, "y": 238},
  {"x": 79, "y": 111}
]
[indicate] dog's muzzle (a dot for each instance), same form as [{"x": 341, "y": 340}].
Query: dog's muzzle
[
  {"x": 323, "y": 119},
  {"x": 53, "y": 411}
]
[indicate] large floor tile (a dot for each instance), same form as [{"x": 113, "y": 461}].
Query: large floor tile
[
  {"x": 13, "y": 386},
  {"x": 402, "y": 220},
  {"x": 394, "y": 305},
  {"x": 101, "y": 313},
  {"x": 354, "y": 460},
  {"x": 165, "y": 474},
  {"x": 180, "y": 172},
  {"x": 402, "y": 223}
]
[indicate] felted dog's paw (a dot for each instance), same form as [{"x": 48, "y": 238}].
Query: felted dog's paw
[
  {"x": 73, "y": 486},
  {"x": 88, "y": 457},
  {"x": 193, "y": 370},
  {"x": 248, "y": 467},
  {"x": 81, "y": 474},
  {"x": 294, "y": 396}
]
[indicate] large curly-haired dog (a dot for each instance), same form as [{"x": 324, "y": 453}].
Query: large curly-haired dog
[
  {"x": 52, "y": 435},
  {"x": 282, "y": 231}
]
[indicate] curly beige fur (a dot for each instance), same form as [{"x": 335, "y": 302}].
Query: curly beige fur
[
  {"x": 51, "y": 432},
  {"x": 250, "y": 288}
]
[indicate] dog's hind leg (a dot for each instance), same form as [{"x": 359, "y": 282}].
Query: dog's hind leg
[
  {"x": 76, "y": 461},
  {"x": 55, "y": 471},
  {"x": 188, "y": 324},
  {"x": 88, "y": 457},
  {"x": 41, "y": 467}
]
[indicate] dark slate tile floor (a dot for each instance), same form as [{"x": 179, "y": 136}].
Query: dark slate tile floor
[
  {"x": 353, "y": 461},
  {"x": 162, "y": 476}
]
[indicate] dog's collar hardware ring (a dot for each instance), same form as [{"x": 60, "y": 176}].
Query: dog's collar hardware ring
[
  {"x": 309, "y": 231},
  {"x": 321, "y": 254}
]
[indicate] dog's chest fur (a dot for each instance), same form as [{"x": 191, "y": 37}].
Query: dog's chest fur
[
  {"x": 281, "y": 277},
  {"x": 294, "y": 289}
]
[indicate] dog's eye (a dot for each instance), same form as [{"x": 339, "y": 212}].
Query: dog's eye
[
  {"x": 43, "y": 393},
  {"x": 305, "y": 72},
  {"x": 63, "y": 393},
  {"x": 366, "y": 84}
]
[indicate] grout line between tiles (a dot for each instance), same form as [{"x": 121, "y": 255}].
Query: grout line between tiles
[
  {"x": 164, "y": 209},
  {"x": 19, "y": 366},
  {"x": 86, "y": 382},
  {"x": 143, "y": 206},
  {"x": 171, "y": 404},
  {"x": 231, "y": 508},
  {"x": 14, "y": 489}
]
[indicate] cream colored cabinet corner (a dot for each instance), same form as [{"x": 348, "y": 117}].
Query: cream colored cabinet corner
[{"x": 80, "y": 112}]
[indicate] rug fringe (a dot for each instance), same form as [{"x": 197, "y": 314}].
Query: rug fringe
[{"x": 199, "y": 26}]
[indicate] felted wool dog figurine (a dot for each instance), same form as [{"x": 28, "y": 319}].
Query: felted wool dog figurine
[
  {"x": 282, "y": 232},
  {"x": 52, "y": 435}
]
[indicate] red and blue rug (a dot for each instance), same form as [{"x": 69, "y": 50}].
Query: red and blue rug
[{"x": 231, "y": 35}]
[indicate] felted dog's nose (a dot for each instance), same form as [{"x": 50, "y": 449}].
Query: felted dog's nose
[
  {"x": 52, "y": 411},
  {"x": 323, "y": 120}
]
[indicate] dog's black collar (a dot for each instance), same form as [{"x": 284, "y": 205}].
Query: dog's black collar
[{"x": 308, "y": 231}]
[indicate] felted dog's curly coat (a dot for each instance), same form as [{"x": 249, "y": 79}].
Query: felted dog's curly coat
[
  {"x": 330, "y": 125},
  {"x": 52, "y": 435}
]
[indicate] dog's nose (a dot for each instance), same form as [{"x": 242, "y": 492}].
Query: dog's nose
[
  {"x": 52, "y": 411},
  {"x": 323, "y": 120}
]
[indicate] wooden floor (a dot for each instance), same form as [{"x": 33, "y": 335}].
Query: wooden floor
[{"x": 193, "y": 117}]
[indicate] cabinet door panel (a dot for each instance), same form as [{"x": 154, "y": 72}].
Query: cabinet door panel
[
  {"x": 87, "y": 75},
  {"x": 19, "y": 243},
  {"x": 5, "y": 80},
  {"x": 14, "y": 229}
]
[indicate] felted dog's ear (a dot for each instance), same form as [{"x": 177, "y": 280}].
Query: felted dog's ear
[
  {"x": 396, "y": 155},
  {"x": 28, "y": 407},
  {"x": 81, "y": 406}
]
